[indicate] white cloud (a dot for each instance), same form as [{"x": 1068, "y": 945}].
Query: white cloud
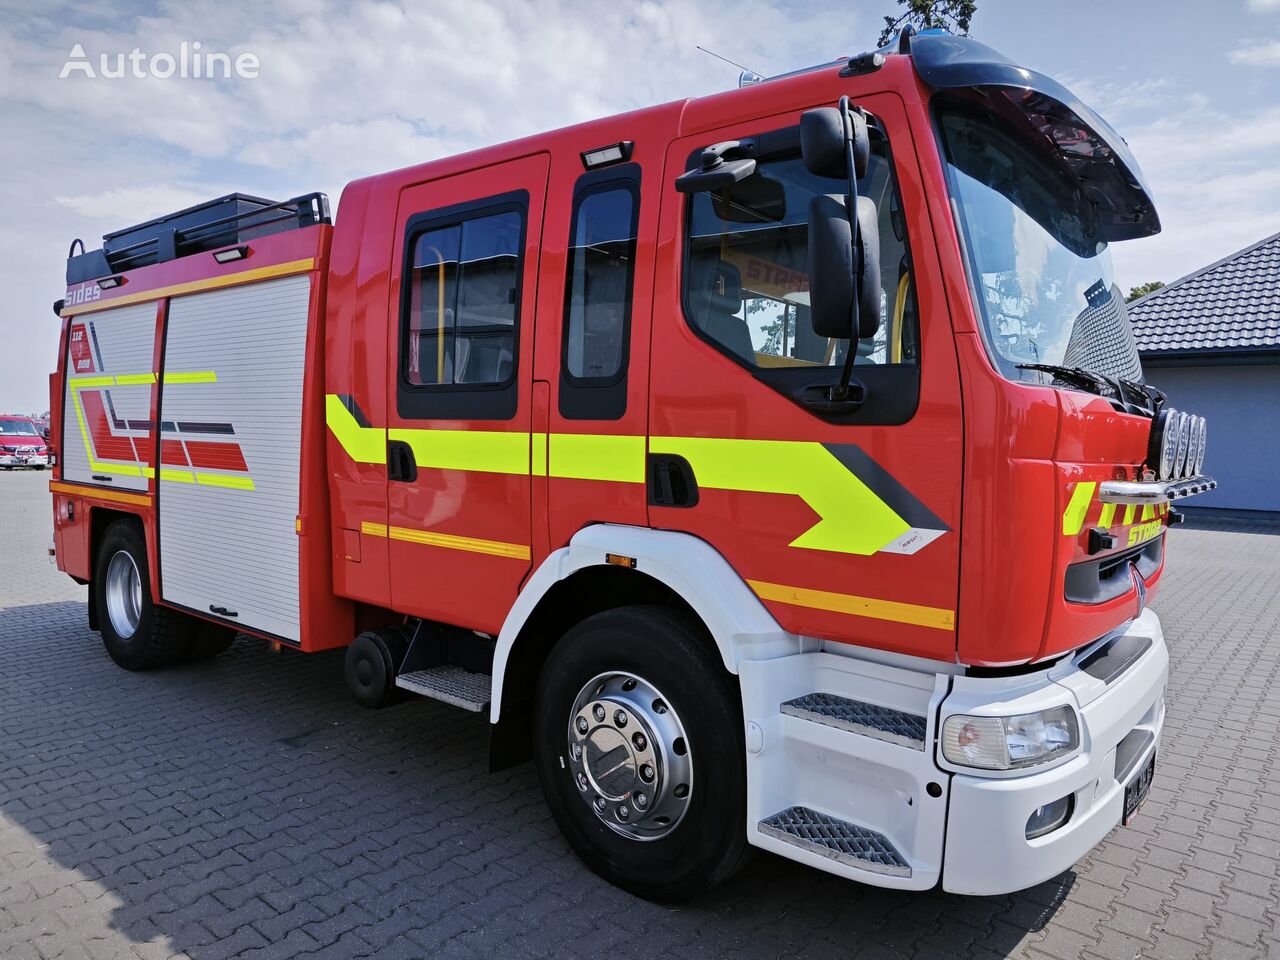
[
  {"x": 1264, "y": 6},
  {"x": 1257, "y": 53},
  {"x": 345, "y": 90}
]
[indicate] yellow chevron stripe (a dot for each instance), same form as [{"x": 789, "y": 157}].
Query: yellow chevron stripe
[
  {"x": 1081, "y": 497},
  {"x": 934, "y": 617}
]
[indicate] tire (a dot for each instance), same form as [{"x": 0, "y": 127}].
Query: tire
[
  {"x": 159, "y": 636},
  {"x": 670, "y": 663},
  {"x": 208, "y": 640},
  {"x": 371, "y": 664}
]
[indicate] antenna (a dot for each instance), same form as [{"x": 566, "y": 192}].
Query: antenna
[{"x": 747, "y": 78}]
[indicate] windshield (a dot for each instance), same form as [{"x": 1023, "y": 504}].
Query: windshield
[
  {"x": 1041, "y": 276},
  {"x": 18, "y": 428}
]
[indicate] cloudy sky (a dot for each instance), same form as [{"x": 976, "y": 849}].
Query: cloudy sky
[{"x": 349, "y": 88}]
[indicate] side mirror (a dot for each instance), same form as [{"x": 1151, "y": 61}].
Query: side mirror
[
  {"x": 838, "y": 273},
  {"x": 758, "y": 199},
  {"x": 720, "y": 165},
  {"x": 822, "y": 143}
]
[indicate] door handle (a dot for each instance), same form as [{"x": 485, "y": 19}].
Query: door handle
[
  {"x": 671, "y": 481},
  {"x": 400, "y": 463}
]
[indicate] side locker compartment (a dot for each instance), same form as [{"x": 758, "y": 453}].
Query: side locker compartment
[
  {"x": 106, "y": 409},
  {"x": 231, "y": 425}
]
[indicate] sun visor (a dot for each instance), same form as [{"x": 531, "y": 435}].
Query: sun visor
[{"x": 1086, "y": 145}]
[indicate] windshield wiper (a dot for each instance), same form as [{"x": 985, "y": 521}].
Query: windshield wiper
[
  {"x": 1076, "y": 376},
  {"x": 1116, "y": 389}
]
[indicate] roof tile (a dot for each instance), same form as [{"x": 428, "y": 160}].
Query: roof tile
[{"x": 1231, "y": 304}]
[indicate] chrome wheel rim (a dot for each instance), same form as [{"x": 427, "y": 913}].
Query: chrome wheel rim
[
  {"x": 123, "y": 590},
  {"x": 629, "y": 756}
]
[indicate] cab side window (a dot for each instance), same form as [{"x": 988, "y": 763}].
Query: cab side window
[
  {"x": 598, "y": 289},
  {"x": 746, "y": 288},
  {"x": 459, "y": 329}
]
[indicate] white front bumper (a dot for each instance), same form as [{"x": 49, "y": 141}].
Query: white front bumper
[
  {"x": 22, "y": 460},
  {"x": 952, "y": 826},
  {"x": 987, "y": 851}
]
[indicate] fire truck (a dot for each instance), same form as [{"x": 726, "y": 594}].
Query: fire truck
[{"x": 774, "y": 468}]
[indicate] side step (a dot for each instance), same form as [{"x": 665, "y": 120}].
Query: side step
[
  {"x": 837, "y": 839},
  {"x": 451, "y": 684},
  {"x": 868, "y": 719}
]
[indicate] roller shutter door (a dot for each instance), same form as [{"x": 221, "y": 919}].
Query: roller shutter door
[{"x": 231, "y": 421}]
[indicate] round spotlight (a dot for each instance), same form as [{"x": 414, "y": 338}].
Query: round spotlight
[
  {"x": 1201, "y": 436},
  {"x": 1184, "y": 446},
  {"x": 1162, "y": 447}
]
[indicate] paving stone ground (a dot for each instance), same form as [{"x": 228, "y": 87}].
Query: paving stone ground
[{"x": 246, "y": 808}]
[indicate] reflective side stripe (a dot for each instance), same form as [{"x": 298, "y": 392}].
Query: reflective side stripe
[
  {"x": 493, "y": 548},
  {"x": 584, "y": 456},
  {"x": 933, "y": 617},
  {"x": 1129, "y": 511},
  {"x": 114, "y": 496},
  {"x": 193, "y": 376},
  {"x": 481, "y": 451},
  {"x": 539, "y": 465},
  {"x": 1081, "y": 497},
  {"x": 362, "y": 444},
  {"x": 229, "y": 481},
  {"x": 135, "y": 379},
  {"x": 854, "y": 520},
  {"x": 1148, "y": 511}
]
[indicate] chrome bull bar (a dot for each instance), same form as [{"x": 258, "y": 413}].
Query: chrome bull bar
[{"x": 1157, "y": 491}]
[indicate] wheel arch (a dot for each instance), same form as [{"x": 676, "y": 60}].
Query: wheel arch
[{"x": 606, "y": 566}]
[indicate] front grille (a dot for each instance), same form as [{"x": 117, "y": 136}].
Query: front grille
[{"x": 1097, "y": 581}]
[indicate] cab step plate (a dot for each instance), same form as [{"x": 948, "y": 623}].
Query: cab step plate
[
  {"x": 450, "y": 684},
  {"x": 837, "y": 839},
  {"x": 868, "y": 719}
]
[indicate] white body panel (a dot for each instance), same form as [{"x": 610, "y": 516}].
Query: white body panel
[
  {"x": 738, "y": 621},
  {"x": 971, "y": 837},
  {"x": 228, "y": 537},
  {"x": 116, "y": 343}
]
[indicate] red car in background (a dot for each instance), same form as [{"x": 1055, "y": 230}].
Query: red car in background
[{"x": 21, "y": 444}]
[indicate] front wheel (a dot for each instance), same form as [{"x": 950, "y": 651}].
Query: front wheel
[{"x": 640, "y": 752}]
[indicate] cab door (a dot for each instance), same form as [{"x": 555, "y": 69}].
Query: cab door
[
  {"x": 460, "y": 381},
  {"x": 843, "y": 518}
]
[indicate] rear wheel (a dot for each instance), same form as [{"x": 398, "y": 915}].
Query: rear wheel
[
  {"x": 640, "y": 752},
  {"x": 137, "y": 634}
]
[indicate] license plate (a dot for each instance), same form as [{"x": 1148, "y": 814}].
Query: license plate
[{"x": 1136, "y": 790}]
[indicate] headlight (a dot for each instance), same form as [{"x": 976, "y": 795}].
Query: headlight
[{"x": 1009, "y": 743}]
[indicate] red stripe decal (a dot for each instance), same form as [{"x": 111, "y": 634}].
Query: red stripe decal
[{"x": 216, "y": 456}]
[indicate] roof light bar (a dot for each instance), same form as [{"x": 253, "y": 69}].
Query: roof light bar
[
  {"x": 619, "y": 152},
  {"x": 108, "y": 283},
  {"x": 231, "y": 254}
]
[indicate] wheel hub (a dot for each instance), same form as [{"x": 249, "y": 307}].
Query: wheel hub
[
  {"x": 629, "y": 756},
  {"x": 123, "y": 590}
]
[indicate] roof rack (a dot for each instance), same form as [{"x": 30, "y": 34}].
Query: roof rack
[{"x": 235, "y": 218}]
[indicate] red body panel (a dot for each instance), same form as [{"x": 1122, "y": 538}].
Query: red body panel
[{"x": 997, "y": 462}]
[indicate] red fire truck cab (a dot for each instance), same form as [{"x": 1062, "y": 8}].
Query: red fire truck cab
[{"x": 775, "y": 468}]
